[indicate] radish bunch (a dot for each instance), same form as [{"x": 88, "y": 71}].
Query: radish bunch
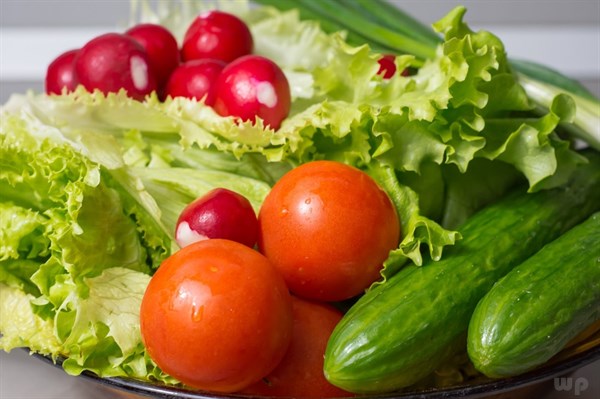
[{"x": 215, "y": 64}]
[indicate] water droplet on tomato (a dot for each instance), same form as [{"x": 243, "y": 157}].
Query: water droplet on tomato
[{"x": 197, "y": 313}]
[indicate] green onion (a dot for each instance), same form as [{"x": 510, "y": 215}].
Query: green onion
[
  {"x": 395, "y": 19},
  {"x": 351, "y": 20},
  {"x": 327, "y": 25}
]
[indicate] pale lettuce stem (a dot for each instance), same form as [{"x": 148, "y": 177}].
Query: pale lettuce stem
[{"x": 586, "y": 124}]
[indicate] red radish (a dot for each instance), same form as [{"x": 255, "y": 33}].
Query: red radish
[
  {"x": 253, "y": 86},
  {"x": 61, "y": 73},
  {"x": 217, "y": 35},
  {"x": 220, "y": 213},
  {"x": 387, "y": 66},
  {"x": 161, "y": 47},
  {"x": 112, "y": 62},
  {"x": 195, "y": 79}
]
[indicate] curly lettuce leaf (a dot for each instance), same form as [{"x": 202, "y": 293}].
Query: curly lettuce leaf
[
  {"x": 416, "y": 229},
  {"x": 100, "y": 331},
  {"x": 21, "y": 326},
  {"x": 84, "y": 234}
]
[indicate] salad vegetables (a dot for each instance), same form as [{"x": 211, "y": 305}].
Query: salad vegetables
[{"x": 97, "y": 171}]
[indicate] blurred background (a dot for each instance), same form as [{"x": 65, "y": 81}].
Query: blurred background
[{"x": 562, "y": 34}]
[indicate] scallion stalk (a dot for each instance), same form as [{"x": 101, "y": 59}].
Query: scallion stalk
[
  {"x": 326, "y": 24},
  {"x": 374, "y": 33},
  {"x": 395, "y": 19}
]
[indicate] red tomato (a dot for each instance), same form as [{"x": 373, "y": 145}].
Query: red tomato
[
  {"x": 300, "y": 373},
  {"x": 328, "y": 227},
  {"x": 217, "y": 316}
]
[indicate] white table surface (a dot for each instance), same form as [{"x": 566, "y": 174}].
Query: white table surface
[{"x": 25, "y": 377}]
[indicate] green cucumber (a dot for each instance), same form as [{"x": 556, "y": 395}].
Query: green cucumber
[
  {"x": 536, "y": 309},
  {"x": 402, "y": 330}
]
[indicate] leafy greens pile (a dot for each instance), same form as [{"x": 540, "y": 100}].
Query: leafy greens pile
[{"x": 91, "y": 185}]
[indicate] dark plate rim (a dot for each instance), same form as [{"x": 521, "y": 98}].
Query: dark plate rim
[{"x": 481, "y": 389}]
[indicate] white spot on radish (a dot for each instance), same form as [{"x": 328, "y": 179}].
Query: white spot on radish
[
  {"x": 243, "y": 89},
  {"x": 185, "y": 235},
  {"x": 139, "y": 72},
  {"x": 265, "y": 94}
]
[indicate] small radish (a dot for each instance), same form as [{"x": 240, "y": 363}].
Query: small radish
[
  {"x": 195, "y": 79},
  {"x": 220, "y": 213},
  {"x": 387, "y": 66},
  {"x": 112, "y": 62},
  {"x": 218, "y": 35},
  {"x": 61, "y": 73},
  {"x": 161, "y": 47},
  {"x": 253, "y": 86}
]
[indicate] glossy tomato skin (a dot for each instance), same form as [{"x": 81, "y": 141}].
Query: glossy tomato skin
[
  {"x": 217, "y": 316},
  {"x": 195, "y": 79},
  {"x": 217, "y": 35},
  {"x": 61, "y": 73},
  {"x": 328, "y": 227},
  {"x": 161, "y": 48},
  {"x": 253, "y": 87},
  {"x": 300, "y": 373}
]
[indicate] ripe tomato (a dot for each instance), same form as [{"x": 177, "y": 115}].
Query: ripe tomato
[
  {"x": 300, "y": 373},
  {"x": 328, "y": 227},
  {"x": 217, "y": 316}
]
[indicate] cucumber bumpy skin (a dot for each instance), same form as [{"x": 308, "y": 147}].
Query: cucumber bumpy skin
[
  {"x": 537, "y": 308},
  {"x": 402, "y": 330}
]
